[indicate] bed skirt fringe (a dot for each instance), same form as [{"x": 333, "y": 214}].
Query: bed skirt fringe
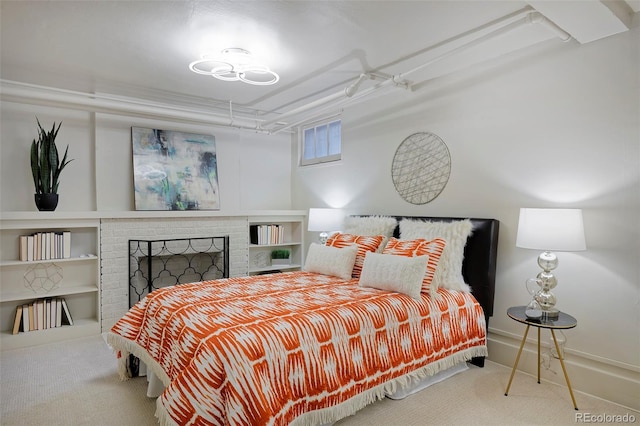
[
  {"x": 329, "y": 415},
  {"x": 125, "y": 348}
]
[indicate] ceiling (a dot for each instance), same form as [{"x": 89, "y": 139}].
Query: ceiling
[{"x": 142, "y": 49}]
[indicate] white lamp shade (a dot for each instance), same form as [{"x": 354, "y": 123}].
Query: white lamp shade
[
  {"x": 551, "y": 229},
  {"x": 324, "y": 220}
]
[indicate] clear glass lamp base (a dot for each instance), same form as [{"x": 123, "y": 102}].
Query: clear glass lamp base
[{"x": 548, "y": 261}]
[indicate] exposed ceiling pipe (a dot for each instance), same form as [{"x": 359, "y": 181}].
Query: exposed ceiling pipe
[
  {"x": 319, "y": 110},
  {"x": 475, "y": 42},
  {"x": 323, "y": 104},
  {"x": 347, "y": 91},
  {"x": 530, "y": 18},
  {"x": 399, "y": 79},
  {"x": 342, "y": 96},
  {"x": 27, "y": 93}
]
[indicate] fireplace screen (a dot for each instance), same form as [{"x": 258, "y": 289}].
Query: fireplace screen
[{"x": 161, "y": 263}]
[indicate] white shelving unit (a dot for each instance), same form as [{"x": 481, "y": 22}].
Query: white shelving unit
[
  {"x": 260, "y": 254},
  {"x": 79, "y": 286}
]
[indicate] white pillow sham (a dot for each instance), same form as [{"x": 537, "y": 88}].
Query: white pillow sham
[
  {"x": 401, "y": 274},
  {"x": 449, "y": 271},
  {"x": 334, "y": 261},
  {"x": 370, "y": 225}
]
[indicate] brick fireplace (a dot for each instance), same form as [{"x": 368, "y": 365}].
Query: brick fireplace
[{"x": 114, "y": 251}]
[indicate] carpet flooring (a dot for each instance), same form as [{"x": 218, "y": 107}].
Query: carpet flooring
[{"x": 76, "y": 383}]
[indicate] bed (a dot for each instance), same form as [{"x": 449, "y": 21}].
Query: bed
[{"x": 317, "y": 345}]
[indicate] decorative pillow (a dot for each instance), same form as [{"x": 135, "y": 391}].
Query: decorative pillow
[
  {"x": 401, "y": 274},
  {"x": 365, "y": 244},
  {"x": 331, "y": 260},
  {"x": 449, "y": 272},
  {"x": 420, "y": 247},
  {"x": 371, "y": 225}
]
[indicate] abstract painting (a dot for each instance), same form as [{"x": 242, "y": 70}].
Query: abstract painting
[{"x": 174, "y": 170}]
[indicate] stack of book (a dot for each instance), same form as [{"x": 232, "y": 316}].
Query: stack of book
[
  {"x": 45, "y": 246},
  {"x": 42, "y": 314},
  {"x": 266, "y": 234}
]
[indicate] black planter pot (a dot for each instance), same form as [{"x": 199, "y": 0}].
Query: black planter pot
[{"x": 46, "y": 202}]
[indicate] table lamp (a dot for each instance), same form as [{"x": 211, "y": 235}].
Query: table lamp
[
  {"x": 550, "y": 230},
  {"x": 324, "y": 221}
]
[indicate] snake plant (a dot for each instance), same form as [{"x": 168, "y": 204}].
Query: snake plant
[{"x": 45, "y": 162}]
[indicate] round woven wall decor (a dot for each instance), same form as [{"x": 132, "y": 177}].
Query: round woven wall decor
[{"x": 421, "y": 167}]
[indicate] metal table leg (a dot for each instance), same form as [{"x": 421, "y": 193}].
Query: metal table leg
[
  {"x": 564, "y": 370},
  {"x": 513, "y": 372},
  {"x": 538, "y": 355}
]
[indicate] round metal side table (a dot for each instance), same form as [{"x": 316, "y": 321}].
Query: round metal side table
[{"x": 563, "y": 322}]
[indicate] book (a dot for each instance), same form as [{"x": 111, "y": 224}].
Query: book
[
  {"x": 66, "y": 315},
  {"x": 52, "y": 245},
  {"x": 47, "y": 313},
  {"x": 23, "y": 247},
  {"x": 18, "y": 320},
  {"x": 41, "y": 246},
  {"x": 47, "y": 245},
  {"x": 39, "y": 314},
  {"x": 51, "y": 307},
  {"x": 36, "y": 246},
  {"x": 25, "y": 318},
  {"x": 66, "y": 244},
  {"x": 59, "y": 249},
  {"x": 32, "y": 319},
  {"x": 253, "y": 234},
  {"x": 58, "y": 312},
  {"x": 30, "y": 248}
]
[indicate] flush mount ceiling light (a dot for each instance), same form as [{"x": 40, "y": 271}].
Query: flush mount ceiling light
[{"x": 235, "y": 64}]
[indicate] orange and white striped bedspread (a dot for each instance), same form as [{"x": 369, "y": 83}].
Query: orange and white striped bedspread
[{"x": 292, "y": 347}]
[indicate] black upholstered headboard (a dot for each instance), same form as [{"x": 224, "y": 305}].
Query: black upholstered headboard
[{"x": 480, "y": 255}]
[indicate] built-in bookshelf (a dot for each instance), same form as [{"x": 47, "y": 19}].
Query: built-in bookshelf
[
  {"x": 269, "y": 233},
  {"x": 83, "y": 271},
  {"x": 74, "y": 278}
]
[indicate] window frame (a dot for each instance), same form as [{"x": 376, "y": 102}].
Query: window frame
[{"x": 314, "y": 126}]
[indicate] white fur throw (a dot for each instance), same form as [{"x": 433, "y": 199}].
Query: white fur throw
[
  {"x": 449, "y": 271},
  {"x": 370, "y": 225},
  {"x": 401, "y": 274},
  {"x": 333, "y": 261}
]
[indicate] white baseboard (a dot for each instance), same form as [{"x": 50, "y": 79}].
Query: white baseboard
[{"x": 600, "y": 379}]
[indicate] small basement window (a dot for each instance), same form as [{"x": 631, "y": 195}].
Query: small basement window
[{"x": 321, "y": 143}]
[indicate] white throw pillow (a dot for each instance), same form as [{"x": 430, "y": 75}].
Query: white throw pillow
[
  {"x": 370, "y": 225},
  {"x": 449, "y": 271},
  {"x": 401, "y": 274},
  {"x": 334, "y": 261}
]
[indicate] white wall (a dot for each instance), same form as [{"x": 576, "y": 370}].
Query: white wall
[
  {"x": 100, "y": 177},
  {"x": 558, "y": 126}
]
